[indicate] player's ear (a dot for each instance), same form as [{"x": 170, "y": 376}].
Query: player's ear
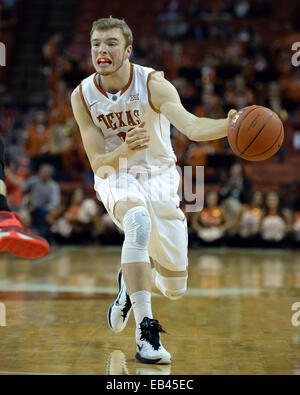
[{"x": 128, "y": 51}]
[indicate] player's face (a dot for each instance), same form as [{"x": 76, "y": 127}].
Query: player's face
[{"x": 108, "y": 50}]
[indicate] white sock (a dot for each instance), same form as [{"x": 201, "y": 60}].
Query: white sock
[{"x": 141, "y": 304}]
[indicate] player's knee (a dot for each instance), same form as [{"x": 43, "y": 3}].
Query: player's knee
[
  {"x": 175, "y": 294},
  {"x": 137, "y": 229},
  {"x": 173, "y": 288},
  {"x": 123, "y": 206},
  {"x": 137, "y": 226}
]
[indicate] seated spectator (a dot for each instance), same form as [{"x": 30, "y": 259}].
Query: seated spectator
[
  {"x": 108, "y": 233},
  {"x": 296, "y": 223},
  {"x": 247, "y": 224},
  {"x": 234, "y": 190},
  {"x": 276, "y": 222},
  {"x": 75, "y": 220},
  {"x": 211, "y": 223},
  {"x": 76, "y": 48},
  {"x": 296, "y": 227},
  {"x": 43, "y": 196},
  {"x": 169, "y": 11},
  {"x": 51, "y": 48},
  {"x": 14, "y": 178},
  {"x": 36, "y": 139},
  {"x": 238, "y": 87}
]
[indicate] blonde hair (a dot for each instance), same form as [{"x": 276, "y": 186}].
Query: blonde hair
[{"x": 111, "y": 23}]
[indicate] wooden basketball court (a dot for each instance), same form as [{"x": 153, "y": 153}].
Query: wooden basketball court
[{"x": 235, "y": 319}]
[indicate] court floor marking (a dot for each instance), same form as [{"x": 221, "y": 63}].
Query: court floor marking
[
  {"x": 10, "y": 286},
  {"x": 34, "y": 373},
  {"x": 55, "y": 253}
]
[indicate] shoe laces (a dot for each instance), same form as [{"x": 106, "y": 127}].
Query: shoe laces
[
  {"x": 9, "y": 217},
  {"x": 150, "y": 330},
  {"x": 126, "y": 307}
]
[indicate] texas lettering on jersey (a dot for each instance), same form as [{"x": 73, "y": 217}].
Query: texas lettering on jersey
[
  {"x": 116, "y": 120},
  {"x": 116, "y": 116}
]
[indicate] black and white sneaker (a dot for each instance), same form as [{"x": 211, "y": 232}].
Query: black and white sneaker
[
  {"x": 149, "y": 347},
  {"x": 119, "y": 310}
]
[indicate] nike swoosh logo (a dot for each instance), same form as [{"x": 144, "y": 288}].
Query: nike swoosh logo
[
  {"x": 119, "y": 296},
  {"x": 140, "y": 347}
]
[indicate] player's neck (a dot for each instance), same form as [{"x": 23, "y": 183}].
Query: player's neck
[{"x": 117, "y": 81}]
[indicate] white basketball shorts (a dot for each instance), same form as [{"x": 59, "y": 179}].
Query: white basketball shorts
[{"x": 168, "y": 243}]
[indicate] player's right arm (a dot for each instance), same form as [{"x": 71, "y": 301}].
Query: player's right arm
[
  {"x": 102, "y": 162},
  {"x": 165, "y": 98}
]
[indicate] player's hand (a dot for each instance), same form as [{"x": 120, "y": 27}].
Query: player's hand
[
  {"x": 231, "y": 114},
  {"x": 138, "y": 138}
]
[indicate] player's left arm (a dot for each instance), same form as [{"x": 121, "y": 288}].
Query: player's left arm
[{"x": 165, "y": 98}]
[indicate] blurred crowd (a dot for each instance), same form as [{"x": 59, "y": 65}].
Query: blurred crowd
[
  {"x": 240, "y": 216},
  {"x": 233, "y": 215},
  {"x": 219, "y": 55}
]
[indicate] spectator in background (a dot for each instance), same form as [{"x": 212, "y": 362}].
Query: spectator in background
[
  {"x": 14, "y": 177},
  {"x": 75, "y": 220},
  {"x": 238, "y": 95},
  {"x": 59, "y": 228},
  {"x": 291, "y": 89},
  {"x": 51, "y": 48},
  {"x": 276, "y": 222},
  {"x": 77, "y": 48},
  {"x": 170, "y": 10},
  {"x": 241, "y": 8},
  {"x": 43, "y": 196},
  {"x": 36, "y": 139},
  {"x": 212, "y": 222},
  {"x": 248, "y": 221},
  {"x": 13, "y": 180},
  {"x": 234, "y": 190},
  {"x": 296, "y": 223}
]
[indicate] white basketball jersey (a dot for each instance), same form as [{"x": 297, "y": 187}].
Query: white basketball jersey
[{"x": 116, "y": 114}]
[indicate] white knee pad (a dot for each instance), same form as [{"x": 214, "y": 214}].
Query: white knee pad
[
  {"x": 172, "y": 287},
  {"x": 137, "y": 228}
]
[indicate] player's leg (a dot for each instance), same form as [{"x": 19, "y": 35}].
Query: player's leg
[
  {"x": 168, "y": 248},
  {"x": 135, "y": 259},
  {"x": 136, "y": 267},
  {"x": 119, "y": 310},
  {"x": 169, "y": 283},
  {"x": 13, "y": 236}
]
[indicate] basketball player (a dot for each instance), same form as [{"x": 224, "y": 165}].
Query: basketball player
[
  {"x": 13, "y": 236},
  {"x": 124, "y": 112}
]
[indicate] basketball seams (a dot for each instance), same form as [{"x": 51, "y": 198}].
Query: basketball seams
[
  {"x": 259, "y": 132},
  {"x": 261, "y": 153},
  {"x": 238, "y": 131},
  {"x": 255, "y": 134}
]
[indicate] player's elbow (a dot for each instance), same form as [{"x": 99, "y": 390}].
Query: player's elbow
[
  {"x": 97, "y": 166},
  {"x": 190, "y": 132}
]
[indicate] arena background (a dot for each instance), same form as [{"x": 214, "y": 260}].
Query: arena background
[{"x": 219, "y": 55}]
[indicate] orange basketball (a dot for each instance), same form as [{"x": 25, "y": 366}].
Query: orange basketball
[{"x": 255, "y": 133}]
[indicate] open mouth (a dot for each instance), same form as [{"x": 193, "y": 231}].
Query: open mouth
[{"x": 103, "y": 61}]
